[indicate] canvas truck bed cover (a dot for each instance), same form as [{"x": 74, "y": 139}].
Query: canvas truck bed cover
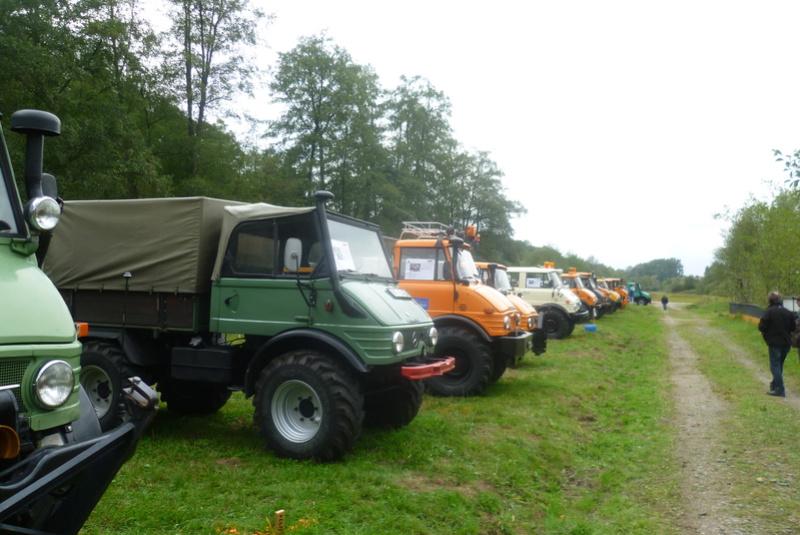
[{"x": 166, "y": 244}]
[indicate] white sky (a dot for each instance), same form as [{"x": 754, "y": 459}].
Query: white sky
[{"x": 623, "y": 127}]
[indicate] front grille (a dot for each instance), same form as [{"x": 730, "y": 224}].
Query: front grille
[{"x": 11, "y": 373}]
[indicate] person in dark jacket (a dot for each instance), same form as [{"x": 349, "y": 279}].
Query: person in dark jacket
[
  {"x": 664, "y": 301},
  {"x": 776, "y": 326}
]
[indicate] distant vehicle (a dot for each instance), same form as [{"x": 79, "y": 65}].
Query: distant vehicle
[
  {"x": 496, "y": 276},
  {"x": 638, "y": 296},
  {"x": 542, "y": 287}
]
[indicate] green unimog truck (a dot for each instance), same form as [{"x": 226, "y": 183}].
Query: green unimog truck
[
  {"x": 54, "y": 462},
  {"x": 295, "y": 307}
]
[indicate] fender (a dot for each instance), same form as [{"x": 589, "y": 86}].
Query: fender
[
  {"x": 137, "y": 350},
  {"x": 299, "y": 338},
  {"x": 451, "y": 319},
  {"x": 550, "y": 306}
]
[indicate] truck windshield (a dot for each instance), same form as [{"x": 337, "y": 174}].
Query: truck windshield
[
  {"x": 467, "y": 270},
  {"x": 358, "y": 250},
  {"x": 573, "y": 282},
  {"x": 555, "y": 279},
  {"x": 8, "y": 224},
  {"x": 501, "y": 280}
]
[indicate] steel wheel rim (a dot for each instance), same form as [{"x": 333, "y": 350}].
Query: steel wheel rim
[
  {"x": 296, "y": 411},
  {"x": 98, "y": 386}
]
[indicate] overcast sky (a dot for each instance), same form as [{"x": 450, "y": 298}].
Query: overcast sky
[{"x": 623, "y": 127}]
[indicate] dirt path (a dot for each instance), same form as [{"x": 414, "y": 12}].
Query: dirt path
[{"x": 699, "y": 413}]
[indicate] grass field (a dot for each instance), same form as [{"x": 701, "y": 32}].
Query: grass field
[{"x": 576, "y": 441}]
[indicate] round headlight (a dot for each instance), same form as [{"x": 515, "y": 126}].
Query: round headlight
[
  {"x": 398, "y": 342},
  {"x": 530, "y": 322},
  {"x": 433, "y": 336},
  {"x": 507, "y": 323},
  {"x": 54, "y": 384},
  {"x": 43, "y": 213}
]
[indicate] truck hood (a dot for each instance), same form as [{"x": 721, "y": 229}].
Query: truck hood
[
  {"x": 494, "y": 297},
  {"x": 389, "y": 304},
  {"x": 32, "y": 310}
]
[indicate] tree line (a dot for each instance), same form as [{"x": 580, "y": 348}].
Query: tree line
[{"x": 147, "y": 114}]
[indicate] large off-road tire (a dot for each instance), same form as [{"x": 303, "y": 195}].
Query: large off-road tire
[
  {"x": 641, "y": 301},
  {"x": 395, "y": 407},
  {"x": 499, "y": 367},
  {"x": 556, "y": 323},
  {"x": 474, "y": 366},
  {"x": 192, "y": 398},
  {"x": 308, "y": 406},
  {"x": 104, "y": 373}
]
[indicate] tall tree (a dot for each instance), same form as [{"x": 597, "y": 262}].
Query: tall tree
[
  {"x": 212, "y": 37},
  {"x": 330, "y": 123},
  {"x": 420, "y": 142}
]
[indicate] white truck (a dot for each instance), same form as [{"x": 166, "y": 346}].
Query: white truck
[{"x": 541, "y": 286}]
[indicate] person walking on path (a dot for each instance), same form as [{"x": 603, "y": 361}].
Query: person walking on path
[
  {"x": 664, "y": 301},
  {"x": 776, "y": 326}
]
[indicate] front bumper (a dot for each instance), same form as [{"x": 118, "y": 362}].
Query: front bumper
[
  {"x": 513, "y": 346},
  {"x": 582, "y": 316},
  {"x": 428, "y": 369},
  {"x": 67, "y": 481}
]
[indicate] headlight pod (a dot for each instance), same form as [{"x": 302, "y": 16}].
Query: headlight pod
[
  {"x": 398, "y": 342},
  {"x": 433, "y": 336},
  {"x": 54, "y": 383},
  {"x": 42, "y": 213},
  {"x": 530, "y": 323},
  {"x": 507, "y": 323}
]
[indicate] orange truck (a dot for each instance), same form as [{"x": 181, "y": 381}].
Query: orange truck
[
  {"x": 496, "y": 276},
  {"x": 589, "y": 298},
  {"x": 477, "y": 324},
  {"x": 616, "y": 285},
  {"x": 608, "y": 300}
]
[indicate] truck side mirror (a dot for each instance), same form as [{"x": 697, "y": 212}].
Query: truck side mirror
[{"x": 292, "y": 254}]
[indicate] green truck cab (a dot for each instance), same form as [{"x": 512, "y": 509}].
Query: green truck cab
[
  {"x": 295, "y": 307},
  {"x": 637, "y": 295},
  {"x": 55, "y": 463}
]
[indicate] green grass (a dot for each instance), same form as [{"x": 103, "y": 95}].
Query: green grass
[{"x": 576, "y": 441}]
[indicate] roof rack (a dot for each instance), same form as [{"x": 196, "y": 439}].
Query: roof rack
[{"x": 424, "y": 229}]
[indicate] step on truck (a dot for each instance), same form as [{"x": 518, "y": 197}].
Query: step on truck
[
  {"x": 55, "y": 463},
  {"x": 295, "y": 307},
  {"x": 476, "y": 323},
  {"x": 542, "y": 287},
  {"x": 496, "y": 275}
]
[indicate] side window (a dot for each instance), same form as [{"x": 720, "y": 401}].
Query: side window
[
  {"x": 421, "y": 264},
  {"x": 251, "y": 250},
  {"x": 303, "y": 228}
]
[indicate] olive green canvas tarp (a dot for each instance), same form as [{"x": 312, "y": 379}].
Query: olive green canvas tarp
[{"x": 167, "y": 244}]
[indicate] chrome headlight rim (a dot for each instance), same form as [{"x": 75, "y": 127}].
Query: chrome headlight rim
[
  {"x": 43, "y": 213},
  {"x": 433, "y": 336},
  {"x": 507, "y": 323},
  {"x": 54, "y": 384},
  {"x": 398, "y": 342}
]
